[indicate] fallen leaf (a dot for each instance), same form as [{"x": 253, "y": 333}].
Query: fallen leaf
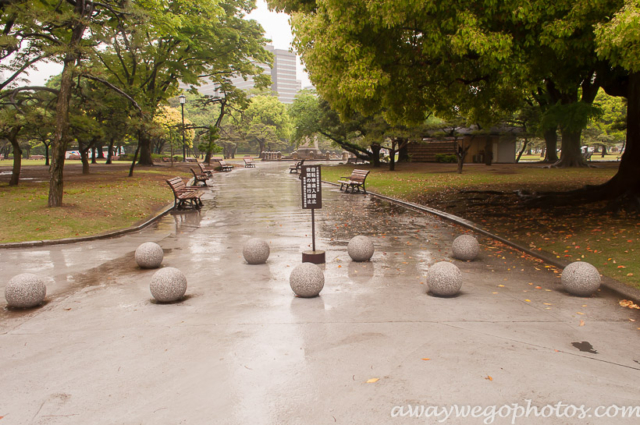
[
  {"x": 580, "y": 313},
  {"x": 582, "y": 323},
  {"x": 373, "y": 380},
  {"x": 426, "y": 358},
  {"x": 528, "y": 301},
  {"x": 489, "y": 378}
]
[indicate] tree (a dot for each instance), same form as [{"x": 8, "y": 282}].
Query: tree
[
  {"x": 266, "y": 120},
  {"x": 410, "y": 58},
  {"x": 169, "y": 41},
  {"x": 618, "y": 42}
]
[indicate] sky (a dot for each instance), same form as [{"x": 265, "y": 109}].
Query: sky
[{"x": 276, "y": 27}]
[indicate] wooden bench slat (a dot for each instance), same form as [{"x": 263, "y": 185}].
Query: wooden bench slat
[{"x": 356, "y": 180}]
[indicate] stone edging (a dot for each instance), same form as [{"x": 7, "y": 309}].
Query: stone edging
[
  {"x": 619, "y": 288},
  {"x": 105, "y": 235}
]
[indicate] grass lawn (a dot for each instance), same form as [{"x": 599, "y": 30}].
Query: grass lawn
[
  {"x": 102, "y": 201},
  {"x": 587, "y": 233}
]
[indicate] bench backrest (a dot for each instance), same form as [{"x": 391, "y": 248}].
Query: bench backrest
[
  {"x": 248, "y": 159},
  {"x": 203, "y": 167},
  {"x": 359, "y": 175},
  {"x": 176, "y": 184},
  {"x": 222, "y": 163}
]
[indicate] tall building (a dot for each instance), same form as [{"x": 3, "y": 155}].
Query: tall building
[{"x": 283, "y": 77}]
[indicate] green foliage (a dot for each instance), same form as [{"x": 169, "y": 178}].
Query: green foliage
[
  {"x": 619, "y": 39},
  {"x": 446, "y": 158}
]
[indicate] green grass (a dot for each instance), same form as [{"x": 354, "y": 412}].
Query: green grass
[
  {"x": 104, "y": 202},
  {"x": 584, "y": 233}
]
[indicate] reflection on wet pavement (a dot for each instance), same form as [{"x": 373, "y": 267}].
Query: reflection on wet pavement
[{"x": 240, "y": 348}]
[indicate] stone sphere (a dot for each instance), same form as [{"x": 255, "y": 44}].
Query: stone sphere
[
  {"x": 149, "y": 255},
  {"x": 580, "y": 278},
  {"x": 444, "y": 279},
  {"x": 256, "y": 251},
  {"x": 25, "y": 290},
  {"x": 465, "y": 248},
  {"x": 168, "y": 284},
  {"x": 307, "y": 280},
  {"x": 360, "y": 248}
]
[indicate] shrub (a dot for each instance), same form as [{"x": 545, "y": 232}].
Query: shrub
[{"x": 445, "y": 157}]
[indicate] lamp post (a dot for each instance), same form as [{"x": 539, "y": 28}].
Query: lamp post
[{"x": 183, "y": 100}]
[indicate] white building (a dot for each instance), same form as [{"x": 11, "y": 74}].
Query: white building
[{"x": 283, "y": 76}]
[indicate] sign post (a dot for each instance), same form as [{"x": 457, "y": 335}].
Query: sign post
[{"x": 311, "y": 180}]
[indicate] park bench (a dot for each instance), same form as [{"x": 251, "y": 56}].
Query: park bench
[
  {"x": 588, "y": 155},
  {"x": 190, "y": 159},
  {"x": 224, "y": 166},
  {"x": 185, "y": 195},
  {"x": 356, "y": 180},
  {"x": 166, "y": 159},
  {"x": 295, "y": 168},
  {"x": 248, "y": 162},
  {"x": 197, "y": 178},
  {"x": 205, "y": 169}
]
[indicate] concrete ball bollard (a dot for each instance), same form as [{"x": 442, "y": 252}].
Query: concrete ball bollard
[
  {"x": 581, "y": 279},
  {"x": 25, "y": 290},
  {"x": 444, "y": 279},
  {"x": 360, "y": 248},
  {"x": 307, "y": 280},
  {"x": 256, "y": 251},
  {"x": 149, "y": 255},
  {"x": 168, "y": 284},
  {"x": 465, "y": 248}
]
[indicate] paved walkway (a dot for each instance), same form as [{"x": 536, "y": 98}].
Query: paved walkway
[{"x": 241, "y": 349}]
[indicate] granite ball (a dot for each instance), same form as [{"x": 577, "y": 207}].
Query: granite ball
[
  {"x": 465, "y": 248},
  {"x": 444, "y": 279},
  {"x": 149, "y": 255},
  {"x": 168, "y": 284},
  {"x": 256, "y": 251},
  {"x": 25, "y": 290},
  {"x": 360, "y": 248},
  {"x": 580, "y": 278},
  {"x": 307, "y": 280}
]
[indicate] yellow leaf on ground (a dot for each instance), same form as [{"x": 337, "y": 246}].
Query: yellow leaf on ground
[
  {"x": 489, "y": 378},
  {"x": 580, "y": 313},
  {"x": 425, "y": 358},
  {"x": 373, "y": 380},
  {"x": 582, "y": 323},
  {"x": 528, "y": 301}
]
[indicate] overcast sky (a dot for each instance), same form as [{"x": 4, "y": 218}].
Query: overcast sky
[{"x": 276, "y": 27}]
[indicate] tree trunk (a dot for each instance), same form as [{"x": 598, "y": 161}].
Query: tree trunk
[
  {"x": 551, "y": 142},
  {"x": 135, "y": 158},
  {"x": 60, "y": 138},
  {"x": 84, "y": 157},
  {"x": 46, "y": 153},
  {"x": 93, "y": 156},
  {"x": 604, "y": 150},
  {"x": 144, "y": 148},
  {"x": 626, "y": 182},
  {"x": 571, "y": 155},
  {"x": 100, "y": 151},
  {"x": 110, "y": 152},
  {"x": 61, "y": 133},
  {"x": 375, "y": 148},
  {"x": 524, "y": 146},
  {"x": 17, "y": 156}
]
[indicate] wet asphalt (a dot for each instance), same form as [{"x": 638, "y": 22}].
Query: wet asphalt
[{"x": 242, "y": 349}]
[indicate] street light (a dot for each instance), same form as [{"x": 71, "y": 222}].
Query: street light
[{"x": 183, "y": 100}]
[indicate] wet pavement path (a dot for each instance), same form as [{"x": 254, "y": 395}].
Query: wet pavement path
[{"x": 241, "y": 349}]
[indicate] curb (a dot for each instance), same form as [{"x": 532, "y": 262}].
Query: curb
[
  {"x": 106, "y": 235},
  {"x": 613, "y": 285}
]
